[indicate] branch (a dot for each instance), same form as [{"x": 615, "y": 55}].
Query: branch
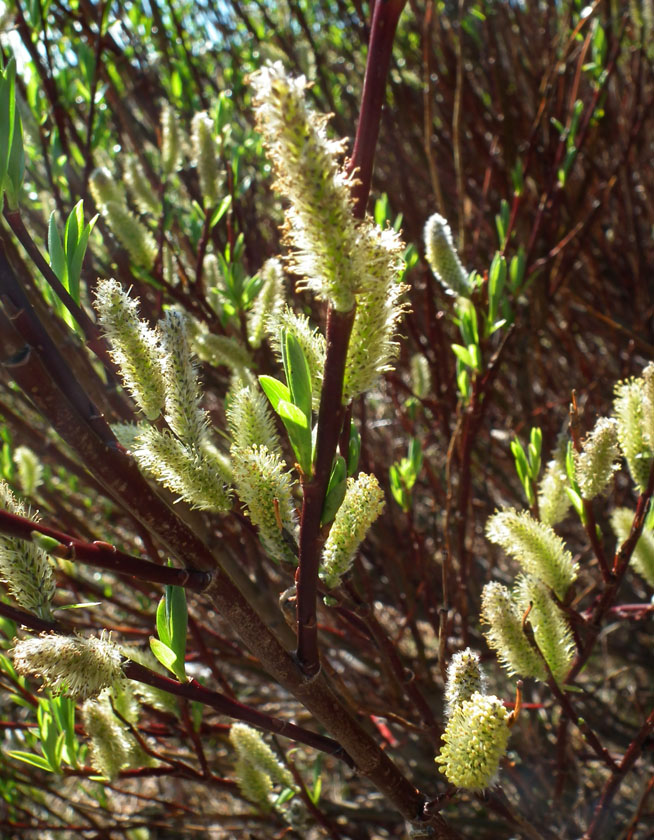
[
  {"x": 101, "y": 555},
  {"x": 339, "y": 328}
]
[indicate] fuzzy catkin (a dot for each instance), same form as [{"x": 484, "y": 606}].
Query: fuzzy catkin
[
  {"x": 159, "y": 699},
  {"x": 420, "y": 375},
  {"x": 25, "y": 567},
  {"x": 135, "y": 347},
  {"x": 250, "y": 745},
  {"x": 105, "y": 188},
  {"x": 553, "y": 500},
  {"x": 551, "y": 630},
  {"x": 474, "y": 741},
  {"x": 108, "y": 737},
  {"x": 464, "y": 678},
  {"x": 183, "y": 413},
  {"x": 372, "y": 346},
  {"x": 171, "y": 144},
  {"x": 267, "y": 303},
  {"x": 363, "y": 502},
  {"x": 29, "y": 468},
  {"x": 206, "y": 156},
  {"x": 642, "y": 559},
  {"x": 535, "y": 546},
  {"x": 265, "y": 486},
  {"x": 141, "y": 190},
  {"x": 321, "y": 227},
  {"x": 71, "y": 665},
  {"x": 443, "y": 258},
  {"x": 629, "y": 411},
  {"x": 505, "y": 635},
  {"x": 221, "y": 351},
  {"x": 198, "y": 475},
  {"x": 132, "y": 234},
  {"x": 598, "y": 459},
  {"x": 250, "y": 421}
]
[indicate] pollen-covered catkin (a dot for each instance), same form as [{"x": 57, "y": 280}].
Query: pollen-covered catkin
[
  {"x": 551, "y": 630},
  {"x": 642, "y": 559},
  {"x": 264, "y": 486},
  {"x": 363, "y": 502},
  {"x": 72, "y": 665},
  {"x": 598, "y": 459},
  {"x": 171, "y": 142},
  {"x": 25, "y": 567},
  {"x": 505, "y": 635},
  {"x": 183, "y": 413},
  {"x": 464, "y": 678},
  {"x": 634, "y": 438},
  {"x": 553, "y": 500},
  {"x": 134, "y": 346},
  {"x": 474, "y": 741},
  {"x": 267, "y": 303},
  {"x": 535, "y": 546}
]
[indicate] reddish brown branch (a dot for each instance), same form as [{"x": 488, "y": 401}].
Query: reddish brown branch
[{"x": 102, "y": 555}]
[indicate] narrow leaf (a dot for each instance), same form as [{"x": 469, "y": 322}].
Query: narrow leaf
[{"x": 274, "y": 390}]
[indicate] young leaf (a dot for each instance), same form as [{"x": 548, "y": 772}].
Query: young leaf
[
  {"x": 463, "y": 353},
  {"x": 164, "y": 654},
  {"x": 33, "y": 759},
  {"x": 299, "y": 432},
  {"x": 220, "y": 211},
  {"x": 397, "y": 488},
  {"x": 353, "y": 449},
  {"x": 7, "y": 114},
  {"x": 15, "y": 165},
  {"x": 274, "y": 390},
  {"x": 177, "y": 615},
  {"x": 56, "y": 252},
  {"x": 162, "y": 622},
  {"x": 297, "y": 372},
  {"x": 335, "y": 490}
]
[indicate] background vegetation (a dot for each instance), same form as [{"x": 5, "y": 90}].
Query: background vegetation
[{"x": 530, "y": 127}]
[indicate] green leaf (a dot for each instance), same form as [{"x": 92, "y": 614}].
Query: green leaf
[
  {"x": 73, "y": 228},
  {"x": 520, "y": 459},
  {"x": 33, "y": 759},
  {"x": 397, "y": 488},
  {"x": 463, "y": 353},
  {"x": 335, "y": 490},
  {"x": 15, "y": 164},
  {"x": 415, "y": 457},
  {"x": 77, "y": 258},
  {"x": 577, "y": 503},
  {"x": 162, "y": 622},
  {"x": 274, "y": 390},
  {"x": 299, "y": 432},
  {"x": 298, "y": 376},
  {"x": 165, "y": 655},
  {"x": 56, "y": 252},
  {"x": 177, "y": 614},
  {"x": 314, "y": 795},
  {"x": 82, "y": 606},
  {"x": 220, "y": 211},
  {"x": 496, "y": 282},
  {"x": 353, "y": 449},
  {"x": 7, "y": 114}
]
